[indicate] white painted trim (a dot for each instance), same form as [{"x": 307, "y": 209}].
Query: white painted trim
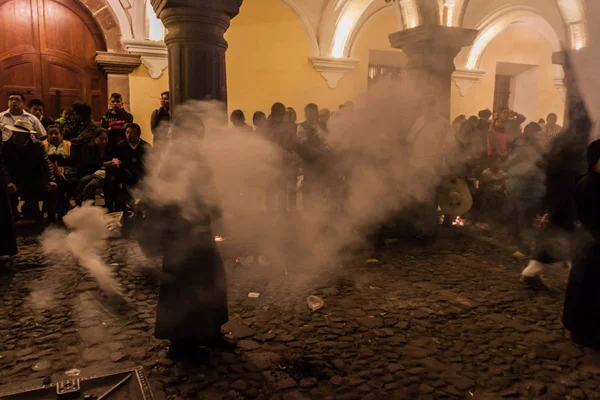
[
  {"x": 466, "y": 78},
  {"x": 154, "y": 55},
  {"x": 306, "y": 24},
  {"x": 495, "y": 23},
  {"x": 121, "y": 14},
  {"x": 332, "y": 68}
]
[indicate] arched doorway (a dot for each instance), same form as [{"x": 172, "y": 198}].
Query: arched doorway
[{"x": 47, "y": 50}]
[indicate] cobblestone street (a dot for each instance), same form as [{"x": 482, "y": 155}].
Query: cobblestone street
[{"x": 442, "y": 320}]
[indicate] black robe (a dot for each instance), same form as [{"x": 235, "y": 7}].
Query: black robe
[
  {"x": 8, "y": 241},
  {"x": 581, "y": 313},
  {"x": 192, "y": 302}
]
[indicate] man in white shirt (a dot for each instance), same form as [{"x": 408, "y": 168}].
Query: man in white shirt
[{"x": 16, "y": 102}]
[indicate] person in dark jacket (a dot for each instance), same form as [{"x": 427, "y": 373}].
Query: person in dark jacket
[
  {"x": 115, "y": 120},
  {"x": 8, "y": 240},
  {"x": 95, "y": 158},
  {"x": 128, "y": 166},
  {"x": 36, "y": 107},
  {"x": 581, "y": 313},
  {"x": 160, "y": 119},
  {"x": 30, "y": 174},
  {"x": 79, "y": 129}
]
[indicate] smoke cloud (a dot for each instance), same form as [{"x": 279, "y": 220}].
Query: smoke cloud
[
  {"x": 211, "y": 165},
  {"x": 84, "y": 241}
]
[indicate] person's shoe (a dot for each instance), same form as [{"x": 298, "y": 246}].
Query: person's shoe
[
  {"x": 519, "y": 255},
  {"x": 534, "y": 282}
]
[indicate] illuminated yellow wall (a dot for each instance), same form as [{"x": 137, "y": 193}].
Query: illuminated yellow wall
[
  {"x": 268, "y": 60},
  {"x": 144, "y": 95},
  {"x": 520, "y": 45}
]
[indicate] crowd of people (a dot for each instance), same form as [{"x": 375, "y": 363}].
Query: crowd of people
[
  {"x": 519, "y": 173},
  {"x": 62, "y": 162}
]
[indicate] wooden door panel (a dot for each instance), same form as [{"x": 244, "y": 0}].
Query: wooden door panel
[
  {"x": 64, "y": 82},
  {"x": 64, "y": 33},
  {"x": 47, "y": 51},
  {"x": 18, "y": 28},
  {"x": 20, "y": 74}
]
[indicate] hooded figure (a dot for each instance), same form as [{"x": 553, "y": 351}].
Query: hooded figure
[
  {"x": 192, "y": 302},
  {"x": 581, "y": 313}
]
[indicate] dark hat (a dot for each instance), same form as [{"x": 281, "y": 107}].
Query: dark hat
[{"x": 593, "y": 154}]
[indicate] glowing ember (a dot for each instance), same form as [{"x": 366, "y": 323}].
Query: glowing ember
[
  {"x": 459, "y": 222},
  {"x": 219, "y": 239}
]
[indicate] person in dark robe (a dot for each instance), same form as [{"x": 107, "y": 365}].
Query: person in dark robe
[
  {"x": 192, "y": 302},
  {"x": 8, "y": 240},
  {"x": 581, "y": 313},
  {"x": 563, "y": 165}
]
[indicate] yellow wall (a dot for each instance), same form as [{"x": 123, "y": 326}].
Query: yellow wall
[
  {"x": 144, "y": 97},
  {"x": 521, "y": 45},
  {"x": 268, "y": 60}
]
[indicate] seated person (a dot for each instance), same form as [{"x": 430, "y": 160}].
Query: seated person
[
  {"x": 95, "y": 158},
  {"x": 30, "y": 174},
  {"x": 128, "y": 165},
  {"x": 65, "y": 173}
]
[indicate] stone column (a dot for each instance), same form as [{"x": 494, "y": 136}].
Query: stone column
[
  {"x": 117, "y": 67},
  {"x": 196, "y": 46},
  {"x": 431, "y": 50},
  {"x": 565, "y": 58}
]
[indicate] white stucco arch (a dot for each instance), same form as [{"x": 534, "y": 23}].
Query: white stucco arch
[
  {"x": 122, "y": 17},
  {"x": 498, "y": 21},
  {"x": 306, "y": 24}
]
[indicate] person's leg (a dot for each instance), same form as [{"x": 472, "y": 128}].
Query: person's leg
[{"x": 50, "y": 200}]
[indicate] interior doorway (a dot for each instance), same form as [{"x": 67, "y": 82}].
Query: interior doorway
[{"x": 47, "y": 51}]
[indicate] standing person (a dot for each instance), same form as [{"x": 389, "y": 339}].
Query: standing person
[
  {"x": 483, "y": 128},
  {"x": 160, "y": 120},
  {"x": 36, "y": 107},
  {"x": 526, "y": 188},
  {"x": 282, "y": 133},
  {"x": 581, "y": 313},
  {"x": 30, "y": 174},
  {"x": 550, "y": 130},
  {"x": 458, "y": 123},
  {"x": 324, "y": 117},
  {"x": 8, "y": 240},
  {"x": 432, "y": 141},
  {"x": 512, "y": 121},
  {"x": 497, "y": 140},
  {"x": 238, "y": 120},
  {"x": 115, "y": 119},
  {"x": 8, "y": 118},
  {"x": 291, "y": 117},
  {"x": 259, "y": 120},
  {"x": 563, "y": 165},
  {"x": 312, "y": 148},
  {"x": 467, "y": 138}
]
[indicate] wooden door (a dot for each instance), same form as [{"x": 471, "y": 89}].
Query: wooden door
[{"x": 49, "y": 54}]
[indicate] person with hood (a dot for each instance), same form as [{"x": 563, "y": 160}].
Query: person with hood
[
  {"x": 563, "y": 163},
  {"x": 581, "y": 313}
]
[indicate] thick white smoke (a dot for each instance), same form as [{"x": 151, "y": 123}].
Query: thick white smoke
[
  {"x": 84, "y": 241},
  {"x": 209, "y": 162}
]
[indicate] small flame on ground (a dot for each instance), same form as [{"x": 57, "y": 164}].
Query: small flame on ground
[
  {"x": 219, "y": 239},
  {"x": 459, "y": 222}
]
